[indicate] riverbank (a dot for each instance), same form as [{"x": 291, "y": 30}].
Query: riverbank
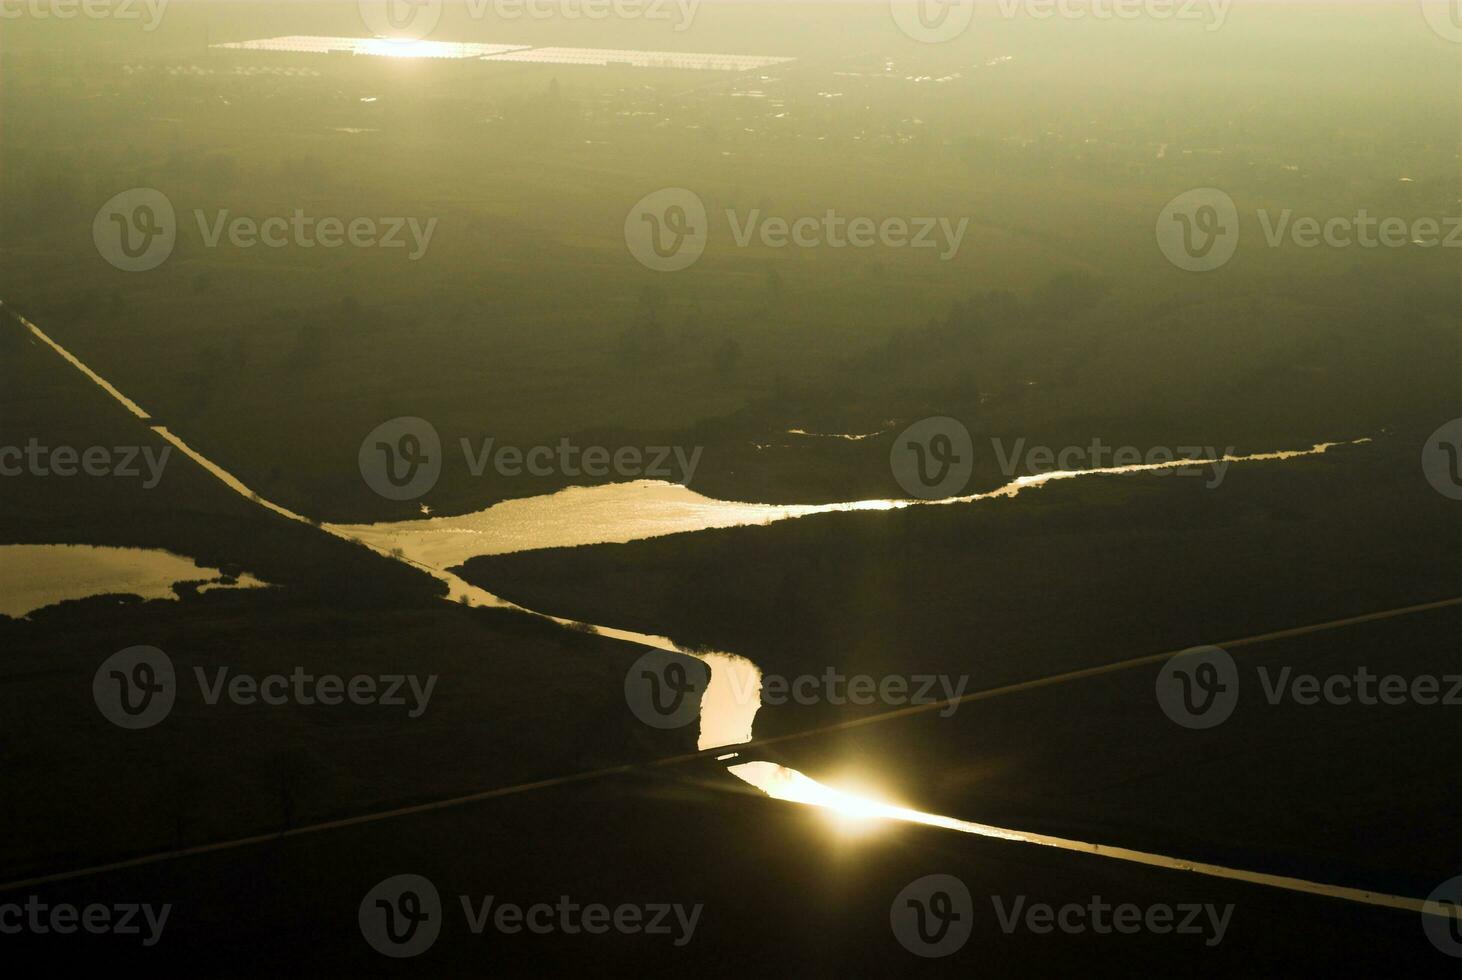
[{"x": 1010, "y": 590}]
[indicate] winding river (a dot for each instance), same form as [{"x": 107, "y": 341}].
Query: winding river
[{"x": 619, "y": 513}]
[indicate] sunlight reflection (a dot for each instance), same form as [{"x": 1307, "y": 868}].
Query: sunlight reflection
[
  {"x": 853, "y": 811},
  {"x": 387, "y": 47}
]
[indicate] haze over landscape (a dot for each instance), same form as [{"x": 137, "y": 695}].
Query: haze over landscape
[{"x": 688, "y": 488}]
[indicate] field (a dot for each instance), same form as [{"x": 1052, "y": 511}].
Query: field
[{"x": 518, "y": 308}]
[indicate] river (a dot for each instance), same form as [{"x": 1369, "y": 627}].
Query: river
[{"x": 632, "y": 511}]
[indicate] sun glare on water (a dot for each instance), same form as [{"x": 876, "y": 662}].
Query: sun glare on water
[
  {"x": 389, "y": 47},
  {"x": 852, "y": 812}
]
